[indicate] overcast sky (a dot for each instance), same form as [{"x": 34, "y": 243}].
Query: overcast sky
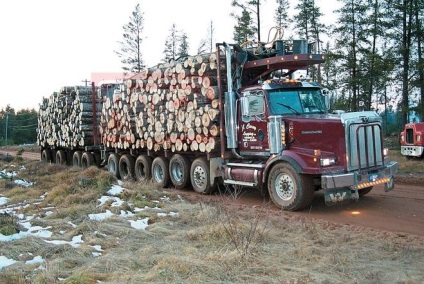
[{"x": 46, "y": 44}]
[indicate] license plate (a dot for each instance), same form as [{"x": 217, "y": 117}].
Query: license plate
[
  {"x": 373, "y": 177},
  {"x": 337, "y": 196}
]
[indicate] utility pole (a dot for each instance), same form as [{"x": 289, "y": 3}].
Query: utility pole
[
  {"x": 7, "y": 122},
  {"x": 86, "y": 82}
]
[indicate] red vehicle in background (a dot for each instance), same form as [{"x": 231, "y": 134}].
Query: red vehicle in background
[{"x": 411, "y": 140}]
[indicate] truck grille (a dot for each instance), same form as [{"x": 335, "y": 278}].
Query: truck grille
[
  {"x": 365, "y": 147},
  {"x": 409, "y": 136}
]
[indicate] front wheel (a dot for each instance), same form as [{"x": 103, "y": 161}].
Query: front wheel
[
  {"x": 289, "y": 189},
  {"x": 200, "y": 176}
]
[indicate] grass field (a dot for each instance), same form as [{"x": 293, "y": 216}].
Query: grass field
[{"x": 183, "y": 242}]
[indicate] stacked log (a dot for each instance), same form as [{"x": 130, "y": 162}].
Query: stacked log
[
  {"x": 65, "y": 119},
  {"x": 173, "y": 106}
]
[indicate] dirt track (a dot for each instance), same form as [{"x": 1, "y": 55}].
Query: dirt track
[{"x": 400, "y": 210}]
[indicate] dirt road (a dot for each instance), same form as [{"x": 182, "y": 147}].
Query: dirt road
[{"x": 400, "y": 210}]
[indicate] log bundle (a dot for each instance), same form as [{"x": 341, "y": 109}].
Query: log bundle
[
  {"x": 67, "y": 117},
  {"x": 174, "y": 106}
]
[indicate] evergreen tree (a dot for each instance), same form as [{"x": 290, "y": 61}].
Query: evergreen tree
[
  {"x": 171, "y": 44},
  {"x": 130, "y": 48},
  {"x": 307, "y": 21},
  {"x": 246, "y": 28},
  {"x": 281, "y": 17},
  {"x": 244, "y": 31},
  {"x": 183, "y": 46},
  {"x": 351, "y": 40},
  {"x": 207, "y": 44}
]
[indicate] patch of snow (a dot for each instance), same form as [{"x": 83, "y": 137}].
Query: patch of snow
[
  {"x": 116, "y": 201},
  {"x": 75, "y": 242},
  {"x": 100, "y": 216},
  {"x": 37, "y": 259},
  {"x": 23, "y": 183},
  {"x": 3, "y": 200},
  {"x": 97, "y": 247},
  {"x": 140, "y": 224},
  {"x": 4, "y": 261},
  {"x": 115, "y": 190}
]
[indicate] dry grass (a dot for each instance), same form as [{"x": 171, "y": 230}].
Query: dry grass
[{"x": 205, "y": 243}]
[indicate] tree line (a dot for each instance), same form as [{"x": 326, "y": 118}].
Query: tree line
[
  {"x": 374, "y": 48},
  {"x": 17, "y": 127}
]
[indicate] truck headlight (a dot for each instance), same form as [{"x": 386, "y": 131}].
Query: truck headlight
[
  {"x": 418, "y": 138},
  {"x": 325, "y": 162},
  {"x": 385, "y": 152}
]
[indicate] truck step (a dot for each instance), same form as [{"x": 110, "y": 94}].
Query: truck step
[
  {"x": 242, "y": 183},
  {"x": 246, "y": 165}
]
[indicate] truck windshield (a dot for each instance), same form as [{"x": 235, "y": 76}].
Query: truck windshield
[{"x": 296, "y": 101}]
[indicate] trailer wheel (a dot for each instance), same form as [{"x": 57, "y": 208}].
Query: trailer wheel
[
  {"x": 200, "y": 176},
  {"x": 179, "y": 170},
  {"x": 87, "y": 160},
  {"x": 61, "y": 157},
  {"x": 113, "y": 164},
  {"x": 76, "y": 159},
  {"x": 126, "y": 167},
  {"x": 288, "y": 189},
  {"x": 46, "y": 156},
  {"x": 143, "y": 167},
  {"x": 160, "y": 172}
]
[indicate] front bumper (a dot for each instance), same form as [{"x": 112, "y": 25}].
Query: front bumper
[
  {"x": 415, "y": 151},
  {"x": 360, "y": 180}
]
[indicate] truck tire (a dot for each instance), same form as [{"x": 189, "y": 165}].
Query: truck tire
[
  {"x": 76, "y": 159},
  {"x": 289, "y": 189},
  {"x": 46, "y": 156},
  {"x": 160, "y": 172},
  {"x": 87, "y": 160},
  {"x": 126, "y": 167},
  {"x": 61, "y": 157},
  {"x": 364, "y": 191},
  {"x": 179, "y": 171},
  {"x": 200, "y": 176},
  {"x": 113, "y": 164},
  {"x": 143, "y": 168}
]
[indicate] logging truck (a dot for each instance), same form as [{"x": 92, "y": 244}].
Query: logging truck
[
  {"x": 237, "y": 117},
  {"x": 412, "y": 140}
]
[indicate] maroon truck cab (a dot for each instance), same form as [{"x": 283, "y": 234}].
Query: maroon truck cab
[{"x": 411, "y": 140}]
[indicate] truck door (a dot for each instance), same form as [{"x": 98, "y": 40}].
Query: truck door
[{"x": 253, "y": 133}]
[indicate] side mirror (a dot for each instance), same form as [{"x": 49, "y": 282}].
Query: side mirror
[
  {"x": 244, "y": 104},
  {"x": 326, "y": 94}
]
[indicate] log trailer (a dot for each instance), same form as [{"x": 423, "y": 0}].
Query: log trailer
[
  {"x": 412, "y": 140},
  {"x": 238, "y": 118}
]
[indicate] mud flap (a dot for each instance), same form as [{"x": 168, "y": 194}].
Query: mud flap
[
  {"x": 389, "y": 185},
  {"x": 337, "y": 196}
]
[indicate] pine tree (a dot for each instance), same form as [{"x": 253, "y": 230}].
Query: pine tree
[
  {"x": 183, "y": 46},
  {"x": 243, "y": 31},
  {"x": 246, "y": 28},
  {"x": 308, "y": 23},
  {"x": 281, "y": 17},
  {"x": 207, "y": 43},
  {"x": 130, "y": 48},
  {"x": 171, "y": 44},
  {"x": 351, "y": 40}
]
